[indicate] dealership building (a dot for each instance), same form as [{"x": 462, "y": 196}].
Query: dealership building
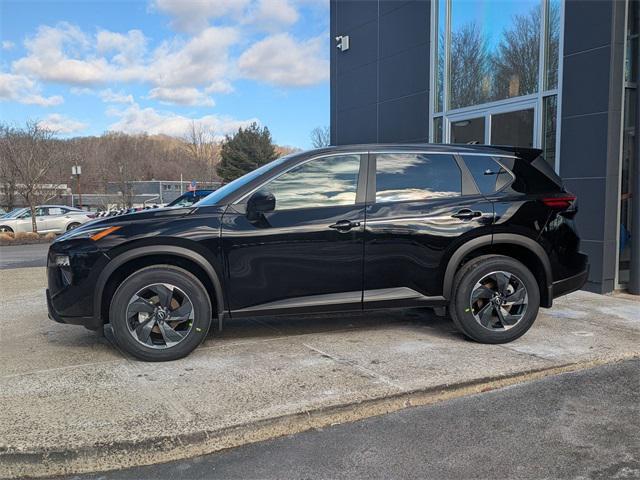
[{"x": 559, "y": 75}]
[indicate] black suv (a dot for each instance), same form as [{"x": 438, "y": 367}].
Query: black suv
[{"x": 486, "y": 231}]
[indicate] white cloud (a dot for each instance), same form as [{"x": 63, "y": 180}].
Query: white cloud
[
  {"x": 148, "y": 120},
  {"x": 284, "y": 61},
  {"x": 273, "y": 15},
  {"x": 127, "y": 48},
  {"x": 200, "y": 61},
  {"x": 8, "y": 45},
  {"x": 21, "y": 89},
  {"x": 181, "y": 96},
  {"x": 109, "y": 96},
  {"x": 194, "y": 15},
  {"x": 61, "y": 124},
  {"x": 55, "y": 54}
]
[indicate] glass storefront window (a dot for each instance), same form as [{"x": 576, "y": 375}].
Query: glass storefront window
[
  {"x": 552, "y": 44},
  {"x": 513, "y": 128},
  {"x": 549, "y": 128},
  {"x": 468, "y": 131},
  {"x": 494, "y": 50},
  {"x": 439, "y": 64},
  {"x": 437, "y": 130}
]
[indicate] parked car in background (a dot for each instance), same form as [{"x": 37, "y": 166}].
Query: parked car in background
[
  {"x": 189, "y": 198},
  {"x": 487, "y": 232},
  {"x": 49, "y": 218}
]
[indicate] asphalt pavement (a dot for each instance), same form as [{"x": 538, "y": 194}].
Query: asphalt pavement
[
  {"x": 576, "y": 425},
  {"x": 21, "y": 256}
]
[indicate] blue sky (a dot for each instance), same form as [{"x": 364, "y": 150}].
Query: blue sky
[{"x": 86, "y": 67}]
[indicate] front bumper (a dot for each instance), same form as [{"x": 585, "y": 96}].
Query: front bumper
[{"x": 91, "y": 323}]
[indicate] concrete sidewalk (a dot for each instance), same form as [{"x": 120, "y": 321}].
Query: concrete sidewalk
[{"x": 73, "y": 403}]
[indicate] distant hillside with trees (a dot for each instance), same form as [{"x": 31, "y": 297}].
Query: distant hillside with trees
[{"x": 112, "y": 157}]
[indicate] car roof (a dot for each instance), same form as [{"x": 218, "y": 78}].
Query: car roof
[{"x": 522, "y": 152}]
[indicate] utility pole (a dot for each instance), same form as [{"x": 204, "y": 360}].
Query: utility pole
[{"x": 76, "y": 171}]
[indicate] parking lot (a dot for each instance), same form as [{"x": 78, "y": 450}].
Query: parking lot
[{"x": 72, "y": 402}]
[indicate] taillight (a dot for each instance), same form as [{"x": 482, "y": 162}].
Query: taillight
[
  {"x": 91, "y": 215},
  {"x": 560, "y": 202}
]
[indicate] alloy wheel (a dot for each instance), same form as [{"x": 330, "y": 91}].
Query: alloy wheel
[
  {"x": 499, "y": 301},
  {"x": 160, "y": 315}
]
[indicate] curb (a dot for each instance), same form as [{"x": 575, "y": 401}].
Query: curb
[{"x": 114, "y": 456}]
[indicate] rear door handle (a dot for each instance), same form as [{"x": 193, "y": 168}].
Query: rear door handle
[
  {"x": 466, "y": 214},
  {"x": 344, "y": 225}
]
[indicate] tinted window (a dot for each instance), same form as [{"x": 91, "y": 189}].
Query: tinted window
[
  {"x": 322, "y": 182},
  {"x": 410, "y": 176},
  {"x": 487, "y": 173}
]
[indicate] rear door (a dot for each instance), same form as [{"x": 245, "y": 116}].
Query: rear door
[{"x": 421, "y": 207}]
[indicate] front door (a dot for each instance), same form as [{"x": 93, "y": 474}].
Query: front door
[{"x": 307, "y": 254}]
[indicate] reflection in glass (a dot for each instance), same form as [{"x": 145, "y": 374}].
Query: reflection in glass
[
  {"x": 437, "y": 130},
  {"x": 549, "y": 128},
  {"x": 513, "y": 128},
  {"x": 439, "y": 64},
  {"x": 468, "y": 131},
  {"x": 411, "y": 177},
  {"x": 327, "y": 181},
  {"x": 552, "y": 45},
  {"x": 494, "y": 50}
]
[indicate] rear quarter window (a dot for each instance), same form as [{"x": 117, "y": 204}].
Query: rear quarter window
[{"x": 487, "y": 173}]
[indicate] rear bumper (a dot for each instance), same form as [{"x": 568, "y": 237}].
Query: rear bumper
[
  {"x": 571, "y": 284},
  {"x": 88, "y": 322}
]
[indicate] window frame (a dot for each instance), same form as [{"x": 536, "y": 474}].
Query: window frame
[{"x": 361, "y": 186}]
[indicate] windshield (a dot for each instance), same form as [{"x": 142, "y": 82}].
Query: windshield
[
  {"x": 240, "y": 182},
  {"x": 14, "y": 213}
]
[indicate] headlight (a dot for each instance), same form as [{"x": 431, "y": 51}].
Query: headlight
[{"x": 94, "y": 234}]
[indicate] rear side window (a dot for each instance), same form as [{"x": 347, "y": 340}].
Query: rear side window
[
  {"x": 487, "y": 173},
  {"x": 415, "y": 176}
]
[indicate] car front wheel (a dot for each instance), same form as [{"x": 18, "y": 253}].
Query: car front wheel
[
  {"x": 160, "y": 313},
  {"x": 495, "y": 299}
]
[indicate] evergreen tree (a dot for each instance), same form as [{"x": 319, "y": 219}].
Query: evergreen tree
[{"x": 246, "y": 150}]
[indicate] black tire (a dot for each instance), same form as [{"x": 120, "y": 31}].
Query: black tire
[
  {"x": 71, "y": 226},
  {"x": 184, "y": 282},
  {"x": 462, "y": 309},
  {"x": 5, "y": 229}
]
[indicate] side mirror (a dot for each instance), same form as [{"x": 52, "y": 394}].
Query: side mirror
[{"x": 260, "y": 202}]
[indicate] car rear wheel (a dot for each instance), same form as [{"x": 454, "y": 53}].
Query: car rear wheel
[
  {"x": 495, "y": 299},
  {"x": 160, "y": 313},
  {"x": 73, "y": 225},
  {"x": 5, "y": 229}
]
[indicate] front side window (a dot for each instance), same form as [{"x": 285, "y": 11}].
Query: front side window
[
  {"x": 415, "y": 176},
  {"x": 323, "y": 182}
]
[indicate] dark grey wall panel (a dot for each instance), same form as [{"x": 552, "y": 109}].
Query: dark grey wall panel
[
  {"x": 405, "y": 73},
  {"x": 588, "y": 75},
  {"x": 590, "y": 128},
  {"x": 353, "y": 13},
  {"x": 358, "y": 87},
  {"x": 404, "y": 27},
  {"x": 363, "y": 50},
  {"x": 358, "y": 125},
  {"x": 583, "y": 148},
  {"x": 385, "y": 72},
  {"x": 400, "y": 119},
  {"x": 588, "y": 24}
]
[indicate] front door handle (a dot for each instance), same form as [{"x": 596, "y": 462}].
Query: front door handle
[
  {"x": 344, "y": 225},
  {"x": 466, "y": 214}
]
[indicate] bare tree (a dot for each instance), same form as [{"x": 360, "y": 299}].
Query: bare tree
[
  {"x": 203, "y": 149},
  {"x": 32, "y": 155},
  {"x": 515, "y": 62},
  {"x": 470, "y": 59},
  {"x": 7, "y": 173},
  {"x": 320, "y": 137}
]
